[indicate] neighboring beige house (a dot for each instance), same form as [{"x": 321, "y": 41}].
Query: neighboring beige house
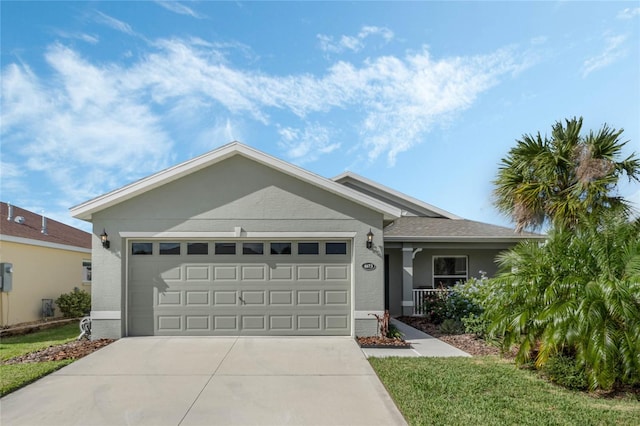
[{"x": 47, "y": 258}]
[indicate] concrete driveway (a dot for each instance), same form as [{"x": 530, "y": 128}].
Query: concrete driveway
[{"x": 210, "y": 381}]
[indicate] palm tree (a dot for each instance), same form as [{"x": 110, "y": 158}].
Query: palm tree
[
  {"x": 577, "y": 295},
  {"x": 561, "y": 178}
]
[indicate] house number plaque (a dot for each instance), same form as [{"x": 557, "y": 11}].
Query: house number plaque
[{"x": 368, "y": 266}]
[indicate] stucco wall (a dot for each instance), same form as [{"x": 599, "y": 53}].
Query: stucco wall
[
  {"x": 39, "y": 273},
  {"x": 481, "y": 256},
  {"x": 234, "y": 193}
]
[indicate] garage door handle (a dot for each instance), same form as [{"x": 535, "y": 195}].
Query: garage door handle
[{"x": 242, "y": 301}]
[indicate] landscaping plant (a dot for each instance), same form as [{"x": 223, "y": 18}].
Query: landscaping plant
[
  {"x": 577, "y": 295},
  {"x": 74, "y": 304}
]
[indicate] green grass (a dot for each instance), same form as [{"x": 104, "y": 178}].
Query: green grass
[
  {"x": 11, "y": 347},
  {"x": 15, "y": 376},
  {"x": 490, "y": 391}
]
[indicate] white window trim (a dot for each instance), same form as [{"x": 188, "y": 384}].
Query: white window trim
[
  {"x": 457, "y": 256},
  {"x": 85, "y": 281}
]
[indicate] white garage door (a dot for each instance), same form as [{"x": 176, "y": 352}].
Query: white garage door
[{"x": 239, "y": 288}]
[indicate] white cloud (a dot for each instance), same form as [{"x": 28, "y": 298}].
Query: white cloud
[
  {"x": 353, "y": 43},
  {"x": 92, "y": 39},
  {"x": 114, "y": 23},
  {"x": 179, "y": 8},
  {"x": 305, "y": 145},
  {"x": 629, "y": 13},
  {"x": 613, "y": 51},
  {"x": 91, "y": 127}
]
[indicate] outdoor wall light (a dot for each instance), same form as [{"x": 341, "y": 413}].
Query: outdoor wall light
[
  {"x": 369, "y": 239},
  {"x": 104, "y": 238}
]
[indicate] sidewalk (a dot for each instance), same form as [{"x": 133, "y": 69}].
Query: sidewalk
[{"x": 421, "y": 345}]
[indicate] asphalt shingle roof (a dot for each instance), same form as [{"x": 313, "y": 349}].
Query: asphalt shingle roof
[
  {"x": 57, "y": 232},
  {"x": 432, "y": 227}
]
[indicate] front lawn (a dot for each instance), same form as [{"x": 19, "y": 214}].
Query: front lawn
[
  {"x": 491, "y": 391},
  {"x": 14, "y": 376}
]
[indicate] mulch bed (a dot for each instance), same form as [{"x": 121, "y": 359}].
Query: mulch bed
[
  {"x": 465, "y": 342},
  {"x": 72, "y": 350},
  {"x": 382, "y": 342}
]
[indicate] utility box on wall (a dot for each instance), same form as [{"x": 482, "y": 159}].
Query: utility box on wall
[{"x": 6, "y": 282}]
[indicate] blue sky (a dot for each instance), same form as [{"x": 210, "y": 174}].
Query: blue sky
[{"x": 424, "y": 97}]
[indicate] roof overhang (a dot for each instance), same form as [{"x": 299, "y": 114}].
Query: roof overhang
[
  {"x": 392, "y": 194},
  {"x": 86, "y": 210},
  {"x": 462, "y": 239}
]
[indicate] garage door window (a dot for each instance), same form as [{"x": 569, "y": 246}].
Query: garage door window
[
  {"x": 197, "y": 248},
  {"x": 169, "y": 248},
  {"x": 336, "y": 248},
  {"x": 280, "y": 248},
  {"x": 308, "y": 248},
  {"x": 252, "y": 248},
  {"x": 141, "y": 248},
  {"x": 225, "y": 248}
]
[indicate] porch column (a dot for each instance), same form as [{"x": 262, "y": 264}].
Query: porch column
[{"x": 407, "y": 279}]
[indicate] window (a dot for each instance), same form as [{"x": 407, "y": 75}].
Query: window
[
  {"x": 86, "y": 271},
  {"x": 308, "y": 248},
  {"x": 169, "y": 248},
  {"x": 336, "y": 248},
  {"x": 280, "y": 248},
  {"x": 252, "y": 248},
  {"x": 448, "y": 270},
  {"x": 141, "y": 248},
  {"x": 226, "y": 248},
  {"x": 197, "y": 248}
]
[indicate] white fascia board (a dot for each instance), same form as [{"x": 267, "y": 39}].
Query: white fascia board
[
  {"x": 458, "y": 239},
  {"x": 85, "y": 210},
  {"x": 350, "y": 176},
  {"x": 40, "y": 243}
]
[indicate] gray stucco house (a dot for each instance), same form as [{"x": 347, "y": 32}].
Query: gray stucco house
[{"x": 236, "y": 242}]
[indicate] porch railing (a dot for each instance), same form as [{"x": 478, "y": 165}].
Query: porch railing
[{"x": 421, "y": 295}]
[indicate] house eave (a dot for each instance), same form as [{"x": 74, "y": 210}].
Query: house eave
[{"x": 463, "y": 239}]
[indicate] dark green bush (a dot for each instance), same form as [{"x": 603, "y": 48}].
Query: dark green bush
[
  {"x": 564, "y": 371},
  {"x": 394, "y": 333},
  {"x": 434, "y": 307},
  {"x": 452, "y": 326},
  {"x": 476, "y": 324},
  {"x": 74, "y": 304}
]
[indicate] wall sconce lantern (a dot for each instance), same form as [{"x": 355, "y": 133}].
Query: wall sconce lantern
[
  {"x": 369, "y": 239},
  {"x": 104, "y": 238}
]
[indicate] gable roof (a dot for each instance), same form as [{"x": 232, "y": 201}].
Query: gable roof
[
  {"x": 85, "y": 210},
  {"x": 31, "y": 229},
  {"x": 410, "y": 206},
  {"x": 431, "y": 229}
]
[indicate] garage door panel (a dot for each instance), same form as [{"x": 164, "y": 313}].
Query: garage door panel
[
  {"x": 197, "y": 273},
  {"x": 309, "y": 297},
  {"x": 225, "y": 273},
  {"x": 239, "y": 295},
  {"x": 197, "y": 298},
  {"x": 308, "y": 273},
  {"x": 281, "y": 272},
  {"x": 253, "y": 272},
  {"x": 171, "y": 298},
  {"x": 281, "y": 297},
  {"x": 225, "y": 298}
]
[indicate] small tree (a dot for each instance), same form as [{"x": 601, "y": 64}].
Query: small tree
[
  {"x": 558, "y": 179},
  {"x": 74, "y": 304}
]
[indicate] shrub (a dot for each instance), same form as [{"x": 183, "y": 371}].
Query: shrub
[
  {"x": 563, "y": 370},
  {"x": 434, "y": 307},
  {"x": 394, "y": 333},
  {"x": 459, "y": 304},
  {"x": 451, "y": 326},
  {"x": 476, "y": 324},
  {"x": 74, "y": 304}
]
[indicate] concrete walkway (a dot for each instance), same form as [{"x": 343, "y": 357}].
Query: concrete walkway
[
  {"x": 210, "y": 381},
  {"x": 421, "y": 345}
]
